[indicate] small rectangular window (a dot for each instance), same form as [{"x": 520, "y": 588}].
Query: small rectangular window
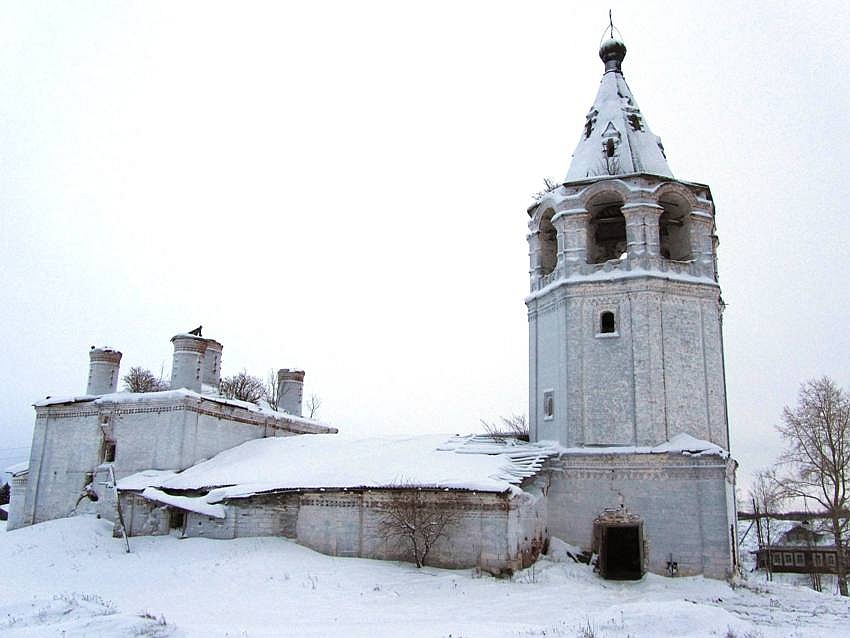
[
  {"x": 799, "y": 559},
  {"x": 549, "y": 404},
  {"x": 607, "y": 324},
  {"x": 830, "y": 560},
  {"x": 788, "y": 558},
  {"x": 818, "y": 558}
]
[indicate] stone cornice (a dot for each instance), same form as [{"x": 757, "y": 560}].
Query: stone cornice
[{"x": 201, "y": 406}]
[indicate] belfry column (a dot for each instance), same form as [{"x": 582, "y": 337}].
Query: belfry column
[
  {"x": 702, "y": 240},
  {"x": 572, "y": 232},
  {"x": 642, "y": 227}
]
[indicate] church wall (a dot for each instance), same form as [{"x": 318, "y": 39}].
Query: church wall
[
  {"x": 606, "y": 371},
  {"x": 63, "y": 459},
  {"x": 143, "y": 517},
  {"x": 490, "y": 531},
  {"x": 547, "y": 374},
  {"x": 714, "y": 369},
  {"x": 528, "y": 526},
  {"x": 202, "y": 526},
  {"x": 658, "y": 374},
  {"x": 683, "y": 502},
  {"x": 174, "y": 438},
  {"x": 17, "y": 497},
  {"x": 684, "y": 367},
  {"x": 149, "y": 440},
  {"x": 496, "y": 532},
  {"x": 68, "y": 448},
  {"x": 265, "y": 515}
]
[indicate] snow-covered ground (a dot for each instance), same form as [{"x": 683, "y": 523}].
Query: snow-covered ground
[{"x": 71, "y": 578}]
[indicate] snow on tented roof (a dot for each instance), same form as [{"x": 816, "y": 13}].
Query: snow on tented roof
[
  {"x": 175, "y": 395},
  {"x": 616, "y": 139},
  {"x": 340, "y": 462}
]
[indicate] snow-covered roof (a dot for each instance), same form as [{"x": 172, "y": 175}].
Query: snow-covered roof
[
  {"x": 681, "y": 443},
  {"x": 146, "y": 478},
  {"x": 174, "y": 395},
  {"x": 340, "y": 462},
  {"x": 616, "y": 139},
  {"x": 192, "y": 504},
  {"x": 18, "y": 468},
  {"x": 806, "y": 535}
]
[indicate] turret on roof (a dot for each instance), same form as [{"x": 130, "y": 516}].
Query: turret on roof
[{"x": 616, "y": 139}]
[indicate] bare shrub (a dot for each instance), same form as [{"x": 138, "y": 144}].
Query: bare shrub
[
  {"x": 416, "y": 522},
  {"x": 587, "y": 630},
  {"x": 514, "y": 426},
  {"x": 243, "y": 387},
  {"x": 272, "y": 389},
  {"x": 549, "y": 185},
  {"x": 140, "y": 379},
  {"x": 314, "y": 402}
]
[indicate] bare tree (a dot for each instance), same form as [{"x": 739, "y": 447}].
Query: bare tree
[
  {"x": 272, "y": 390},
  {"x": 550, "y": 185},
  {"x": 140, "y": 379},
  {"x": 766, "y": 497},
  {"x": 514, "y": 426},
  {"x": 416, "y": 522},
  {"x": 314, "y": 402},
  {"x": 243, "y": 387},
  {"x": 817, "y": 457}
]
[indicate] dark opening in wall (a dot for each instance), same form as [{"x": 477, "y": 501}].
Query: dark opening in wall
[
  {"x": 548, "y": 244},
  {"x": 673, "y": 231},
  {"x": 108, "y": 455},
  {"x": 606, "y": 237},
  {"x": 548, "y": 404},
  {"x": 607, "y": 323},
  {"x": 620, "y": 555},
  {"x": 176, "y": 518}
]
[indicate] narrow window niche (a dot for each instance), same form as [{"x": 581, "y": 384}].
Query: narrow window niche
[
  {"x": 607, "y": 324},
  {"x": 548, "y": 405}
]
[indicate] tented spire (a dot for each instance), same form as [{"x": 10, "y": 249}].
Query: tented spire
[{"x": 616, "y": 139}]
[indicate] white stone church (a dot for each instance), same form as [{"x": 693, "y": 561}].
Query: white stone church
[{"x": 629, "y": 440}]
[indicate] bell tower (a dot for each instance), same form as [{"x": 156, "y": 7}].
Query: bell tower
[{"x": 625, "y": 345}]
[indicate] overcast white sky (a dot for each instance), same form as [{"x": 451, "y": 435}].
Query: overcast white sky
[{"x": 342, "y": 187}]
